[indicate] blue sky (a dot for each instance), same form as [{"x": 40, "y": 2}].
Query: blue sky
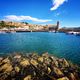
[{"x": 42, "y": 11}]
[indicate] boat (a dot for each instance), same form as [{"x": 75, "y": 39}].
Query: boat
[
  {"x": 78, "y": 34},
  {"x": 74, "y": 33}
]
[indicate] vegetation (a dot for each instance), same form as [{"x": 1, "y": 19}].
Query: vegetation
[
  {"x": 2, "y": 24},
  {"x": 8, "y": 25},
  {"x": 25, "y": 22}
]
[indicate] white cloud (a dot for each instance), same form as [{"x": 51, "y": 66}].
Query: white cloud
[
  {"x": 57, "y": 3},
  {"x": 57, "y": 14},
  {"x": 21, "y": 18}
]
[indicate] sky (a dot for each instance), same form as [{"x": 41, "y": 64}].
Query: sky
[{"x": 42, "y": 11}]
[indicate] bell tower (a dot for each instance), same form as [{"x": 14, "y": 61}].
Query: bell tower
[{"x": 57, "y": 24}]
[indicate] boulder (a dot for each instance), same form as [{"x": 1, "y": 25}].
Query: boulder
[
  {"x": 53, "y": 58},
  {"x": 63, "y": 78},
  {"x": 72, "y": 77},
  {"x": 65, "y": 63},
  {"x": 45, "y": 55},
  {"x": 6, "y": 67},
  {"x": 49, "y": 70},
  {"x": 40, "y": 59},
  {"x": 17, "y": 56},
  {"x": 34, "y": 55},
  {"x": 6, "y": 60},
  {"x": 34, "y": 62},
  {"x": 58, "y": 72},
  {"x": 24, "y": 62},
  {"x": 27, "y": 77},
  {"x": 1, "y": 58},
  {"x": 56, "y": 63},
  {"x": 9, "y": 69},
  {"x": 17, "y": 69}
]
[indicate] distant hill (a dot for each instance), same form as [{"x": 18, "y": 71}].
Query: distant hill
[{"x": 25, "y": 25}]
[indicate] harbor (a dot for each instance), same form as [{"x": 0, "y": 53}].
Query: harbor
[{"x": 39, "y": 40}]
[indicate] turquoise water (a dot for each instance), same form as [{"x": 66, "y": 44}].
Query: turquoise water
[{"x": 58, "y": 44}]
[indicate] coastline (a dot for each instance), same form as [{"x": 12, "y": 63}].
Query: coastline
[{"x": 25, "y": 30}]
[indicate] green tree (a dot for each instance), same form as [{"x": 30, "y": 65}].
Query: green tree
[{"x": 2, "y": 23}]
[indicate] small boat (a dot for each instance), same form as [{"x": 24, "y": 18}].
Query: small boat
[
  {"x": 52, "y": 31},
  {"x": 78, "y": 34},
  {"x": 70, "y": 32}
]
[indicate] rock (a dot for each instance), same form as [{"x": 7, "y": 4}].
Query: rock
[
  {"x": 34, "y": 55},
  {"x": 49, "y": 70},
  {"x": 40, "y": 59},
  {"x": 34, "y": 62},
  {"x": 17, "y": 56},
  {"x": 6, "y": 67},
  {"x": 9, "y": 69},
  {"x": 24, "y": 62},
  {"x": 47, "y": 61},
  {"x": 56, "y": 63},
  {"x": 13, "y": 73},
  {"x": 28, "y": 77},
  {"x": 6, "y": 60},
  {"x": 1, "y": 59},
  {"x": 65, "y": 63},
  {"x": 71, "y": 64},
  {"x": 53, "y": 58},
  {"x": 72, "y": 77},
  {"x": 17, "y": 69},
  {"x": 63, "y": 78},
  {"x": 58, "y": 72},
  {"x": 45, "y": 55},
  {"x": 76, "y": 74}
]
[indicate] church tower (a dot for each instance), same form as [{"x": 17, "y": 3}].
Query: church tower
[{"x": 57, "y": 26}]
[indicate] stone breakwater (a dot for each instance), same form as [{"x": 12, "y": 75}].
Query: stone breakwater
[{"x": 37, "y": 67}]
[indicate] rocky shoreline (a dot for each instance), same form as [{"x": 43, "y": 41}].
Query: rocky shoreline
[{"x": 37, "y": 67}]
